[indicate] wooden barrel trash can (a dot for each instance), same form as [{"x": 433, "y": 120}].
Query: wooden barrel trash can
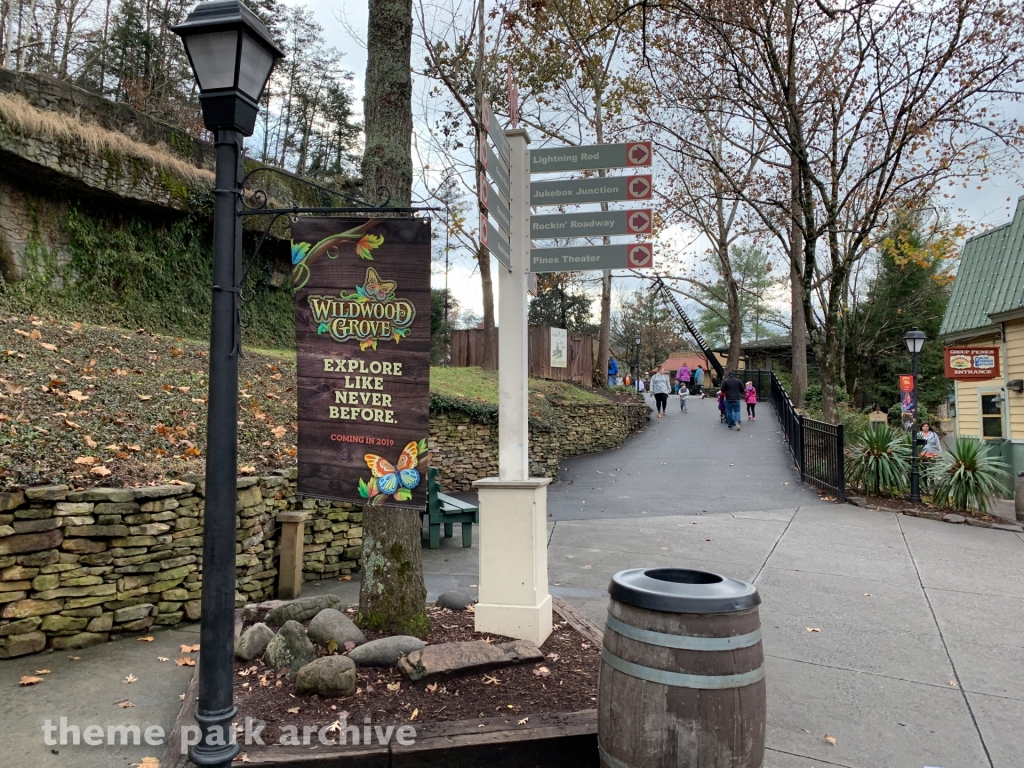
[{"x": 682, "y": 672}]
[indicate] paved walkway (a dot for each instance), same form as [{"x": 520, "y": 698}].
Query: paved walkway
[{"x": 919, "y": 660}]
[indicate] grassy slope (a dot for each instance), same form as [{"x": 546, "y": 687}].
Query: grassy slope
[
  {"x": 93, "y": 405},
  {"x": 478, "y": 384}
]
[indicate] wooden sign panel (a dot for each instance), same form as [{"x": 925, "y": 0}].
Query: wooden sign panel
[
  {"x": 362, "y": 330},
  {"x": 972, "y": 363}
]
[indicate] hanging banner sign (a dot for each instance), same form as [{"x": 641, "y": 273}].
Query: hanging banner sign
[
  {"x": 908, "y": 401},
  {"x": 496, "y": 242},
  {"x": 636, "y": 222},
  {"x": 362, "y": 331},
  {"x": 498, "y": 208},
  {"x": 610, "y": 189},
  {"x": 632, "y": 154},
  {"x": 635, "y": 256},
  {"x": 972, "y": 363}
]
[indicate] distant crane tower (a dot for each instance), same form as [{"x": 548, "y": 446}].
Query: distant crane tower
[{"x": 697, "y": 335}]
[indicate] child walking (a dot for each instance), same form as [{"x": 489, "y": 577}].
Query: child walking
[
  {"x": 684, "y": 393},
  {"x": 751, "y": 397}
]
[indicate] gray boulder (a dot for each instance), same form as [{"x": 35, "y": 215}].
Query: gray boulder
[
  {"x": 329, "y": 677},
  {"x": 253, "y": 642},
  {"x": 457, "y": 599},
  {"x": 302, "y": 609},
  {"x": 290, "y": 649},
  {"x": 385, "y": 652},
  {"x": 330, "y": 624}
]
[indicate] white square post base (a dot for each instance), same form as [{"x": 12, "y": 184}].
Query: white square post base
[{"x": 514, "y": 599}]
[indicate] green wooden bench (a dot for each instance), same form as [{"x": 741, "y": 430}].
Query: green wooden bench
[{"x": 445, "y": 510}]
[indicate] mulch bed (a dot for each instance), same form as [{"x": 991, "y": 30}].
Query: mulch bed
[{"x": 388, "y": 697}]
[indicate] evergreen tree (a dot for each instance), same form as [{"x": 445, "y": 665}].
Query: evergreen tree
[
  {"x": 910, "y": 288},
  {"x": 561, "y": 303}
]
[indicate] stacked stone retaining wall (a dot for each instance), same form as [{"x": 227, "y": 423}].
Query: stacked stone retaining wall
[{"x": 80, "y": 567}]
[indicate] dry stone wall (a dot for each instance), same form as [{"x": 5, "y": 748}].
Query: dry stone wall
[
  {"x": 80, "y": 567},
  {"x": 466, "y": 449}
]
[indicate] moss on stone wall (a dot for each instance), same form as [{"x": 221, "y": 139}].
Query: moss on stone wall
[{"x": 136, "y": 272}]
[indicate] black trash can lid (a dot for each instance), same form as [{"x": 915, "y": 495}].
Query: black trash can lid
[{"x": 682, "y": 590}]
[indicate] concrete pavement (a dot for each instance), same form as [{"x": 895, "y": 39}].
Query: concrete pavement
[{"x": 918, "y": 661}]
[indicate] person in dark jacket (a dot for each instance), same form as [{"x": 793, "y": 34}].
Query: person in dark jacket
[
  {"x": 734, "y": 391},
  {"x": 613, "y": 372}
]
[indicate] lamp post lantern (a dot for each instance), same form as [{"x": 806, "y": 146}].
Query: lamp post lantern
[
  {"x": 232, "y": 56},
  {"x": 636, "y": 369},
  {"x": 915, "y": 341}
]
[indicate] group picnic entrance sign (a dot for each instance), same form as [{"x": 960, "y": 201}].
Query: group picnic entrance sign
[{"x": 362, "y": 330}]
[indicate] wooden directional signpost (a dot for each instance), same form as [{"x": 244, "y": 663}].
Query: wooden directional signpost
[
  {"x": 514, "y": 598},
  {"x": 608, "y": 189}
]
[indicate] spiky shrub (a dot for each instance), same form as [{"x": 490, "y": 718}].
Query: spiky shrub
[
  {"x": 879, "y": 461},
  {"x": 966, "y": 477}
]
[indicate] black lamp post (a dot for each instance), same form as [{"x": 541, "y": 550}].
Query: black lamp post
[
  {"x": 915, "y": 341},
  {"x": 232, "y": 55},
  {"x": 636, "y": 369}
]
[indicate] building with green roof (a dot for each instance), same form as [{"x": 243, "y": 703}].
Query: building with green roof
[{"x": 986, "y": 310}]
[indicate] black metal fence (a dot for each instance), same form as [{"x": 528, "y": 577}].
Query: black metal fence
[{"x": 817, "y": 447}]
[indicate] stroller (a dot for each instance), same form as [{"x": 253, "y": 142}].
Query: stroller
[{"x": 721, "y": 407}]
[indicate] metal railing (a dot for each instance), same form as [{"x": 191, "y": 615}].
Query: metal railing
[{"x": 817, "y": 447}]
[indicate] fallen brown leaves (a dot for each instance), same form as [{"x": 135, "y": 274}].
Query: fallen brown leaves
[{"x": 29, "y": 680}]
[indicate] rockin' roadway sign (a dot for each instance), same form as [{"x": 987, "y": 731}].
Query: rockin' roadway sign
[
  {"x": 633, "y": 154},
  {"x": 635, "y": 256},
  {"x": 635, "y": 222},
  {"x": 607, "y": 190}
]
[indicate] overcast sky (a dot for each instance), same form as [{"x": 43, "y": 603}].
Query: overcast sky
[{"x": 344, "y": 22}]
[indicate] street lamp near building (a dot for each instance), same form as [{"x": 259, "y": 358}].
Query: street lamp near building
[
  {"x": 232, "y": 56},
  {"x": 915, "y": 341}
]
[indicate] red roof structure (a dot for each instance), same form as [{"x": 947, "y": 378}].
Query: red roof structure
[{"x": 692, "y": 359}]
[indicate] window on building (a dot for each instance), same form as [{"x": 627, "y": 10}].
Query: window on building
[{"x": 992, "y": 415}]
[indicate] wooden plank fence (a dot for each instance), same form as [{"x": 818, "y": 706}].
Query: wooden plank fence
[{"x": 468, "y": 350}]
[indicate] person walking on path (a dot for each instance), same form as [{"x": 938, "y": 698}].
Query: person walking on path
[
  {"x": 684, "y": 393},
  {"x": 930, "y": 445},
  {"x": 734, "y": 392},
  {"x": 613, "y": 371},
  {"x": 683, "y": 377},
  {"x": 698, "y": 382},
  {"x": 750, "y": 395},
  {"x": 660, "y": 387}
]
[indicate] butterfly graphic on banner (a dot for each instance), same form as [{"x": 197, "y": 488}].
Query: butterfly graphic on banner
[
  {"x": 375, "y": 288},
  {"x": 390, "y": 480}
]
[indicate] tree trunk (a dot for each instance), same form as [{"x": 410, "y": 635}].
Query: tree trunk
[
  {"x": 490, "y": 331},
  {"x": 392, "y": 597},
  {"x": 387, "y": 104},
  {"x": 798, "y": 322},
  {"x": 483, "y": 257},
  {"x": 604, "y": 337}
]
